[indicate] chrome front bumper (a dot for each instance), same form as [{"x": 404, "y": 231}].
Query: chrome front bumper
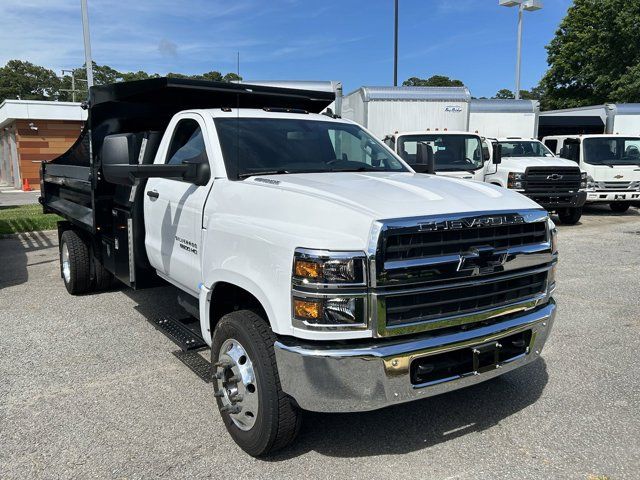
[{"x": 367, "y": 377}]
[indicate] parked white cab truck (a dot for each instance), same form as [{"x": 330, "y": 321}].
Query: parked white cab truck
[
  {"x": 612, "y": 163},
  {"x": 323, "y": 273},
  {"x": 524, "y": 165}
]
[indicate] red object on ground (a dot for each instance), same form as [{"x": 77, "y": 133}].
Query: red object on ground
[{"x": 25, "y": 185}]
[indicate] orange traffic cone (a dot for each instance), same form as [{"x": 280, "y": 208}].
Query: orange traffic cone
[{"x": 25, "y": 185}]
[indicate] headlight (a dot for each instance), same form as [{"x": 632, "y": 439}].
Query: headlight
[
  {"x": 515, "y": 180},
  {"x": 583, "y": 179},
  {"x": 324, "y": 267},
  {"x": 330, "y": 311},
  {"x": 591, "y": 184},
  {"x": 329, "y": 289}
]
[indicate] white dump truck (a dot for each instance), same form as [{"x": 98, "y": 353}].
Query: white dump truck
[
  {"x": 611, "y": 163},
  {"x": 321, "y": 271}
]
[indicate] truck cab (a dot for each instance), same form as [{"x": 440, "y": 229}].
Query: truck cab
[
  {"x": 450, "y": 153},
  {"x": 532, "y": 169},
  {"x": 611, "y": 163}
]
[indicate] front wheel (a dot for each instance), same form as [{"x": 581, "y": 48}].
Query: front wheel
[
  {"x": 619, "y": 207},
  {"x": 570, "y": 216},
  {"x": 258, "y": 415}
]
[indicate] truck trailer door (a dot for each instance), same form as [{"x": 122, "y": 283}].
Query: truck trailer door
[{"x": 173, "y": 210}]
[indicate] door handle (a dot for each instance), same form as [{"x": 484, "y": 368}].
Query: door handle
[{"x": 152, "y": 194}]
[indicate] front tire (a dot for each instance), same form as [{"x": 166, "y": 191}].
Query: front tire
[
  {"x": 570, "y": 216},
  {"x": 619, "y": 207},
  {"x": 75, "y": 263},
  {"x": 258, "y": 415}
]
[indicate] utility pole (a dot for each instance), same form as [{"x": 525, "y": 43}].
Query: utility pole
[
  {"x": 87, "y": 44},
  {"x": 519, "y": 51},
  {"x": 395, "y": 47}
]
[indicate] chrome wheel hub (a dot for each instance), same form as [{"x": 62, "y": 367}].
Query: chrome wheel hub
[
  {"x": 66, "y": 265},
  {"x": 236, "y": 384}
]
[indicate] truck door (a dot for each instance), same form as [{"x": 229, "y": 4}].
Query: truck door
[{"x": 173, "y": 209}]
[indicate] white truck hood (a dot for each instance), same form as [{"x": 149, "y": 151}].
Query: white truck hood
[
  {"x": 519, "y": 164},
  {"x": 384, "y": 195}
]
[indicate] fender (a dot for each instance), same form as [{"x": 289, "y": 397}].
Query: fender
[{"x": 238, "y": 280}]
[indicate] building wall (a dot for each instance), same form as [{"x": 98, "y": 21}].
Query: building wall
[{"x": 53, "y": 138}]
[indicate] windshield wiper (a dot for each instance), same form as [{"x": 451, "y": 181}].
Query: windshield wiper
[
  {"x": 353, "y": 169},
  {"x": 264, "y": 172}
]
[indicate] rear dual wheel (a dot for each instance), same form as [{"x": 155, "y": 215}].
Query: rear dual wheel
[
  {"x": 81, "y": 271},
  {"x": 258, "y": 415}
]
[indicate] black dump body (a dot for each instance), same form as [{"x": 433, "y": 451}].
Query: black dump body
[{"x": 109, "y": 215}]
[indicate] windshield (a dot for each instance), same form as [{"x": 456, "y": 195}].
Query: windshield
[
  {"x": 524, "y": 148},
  {"x": 612, "y": 151},
  {"x": 450, "y": 152},
  {"x": 262, "y": 146}
]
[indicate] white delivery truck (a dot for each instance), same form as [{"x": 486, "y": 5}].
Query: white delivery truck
[
  {"x": 498, "y": 118},
  {"x": 521, "y": 164},
  {"x": 323, "y": 272},
  {"x": 611, "y": 162},
  {"x": 610, "y": 118},
  {"x": 383, "y": 110}
]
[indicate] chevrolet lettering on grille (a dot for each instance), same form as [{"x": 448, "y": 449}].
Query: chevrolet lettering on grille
[{"x": 471, "y": 222}]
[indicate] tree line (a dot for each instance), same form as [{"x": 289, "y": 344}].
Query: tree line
[
  {"x": 594, "y": 58},
  {"x": 27, "y": 81}
]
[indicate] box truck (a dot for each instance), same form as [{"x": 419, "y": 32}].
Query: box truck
[
  {"x": 504, "y": 118},
  {"x": 610, "y": 118}
]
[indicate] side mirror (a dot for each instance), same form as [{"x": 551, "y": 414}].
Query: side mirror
[
  {"x": 486, "y": 155},
  {"x": 198, "y": 171},
  {"x": 497, "y": 153},
  {"x": 424, "y": 159},
  {"x": 119, "y": 156}
]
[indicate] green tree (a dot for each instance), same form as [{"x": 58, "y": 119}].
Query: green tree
[
  {"x": 433, "y": 81},
  {"x": 504, "y": 93},
  {"x": 595, "y": 56},
  {"x": 24, "y": 80}
]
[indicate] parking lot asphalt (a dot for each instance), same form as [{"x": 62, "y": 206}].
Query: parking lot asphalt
[
  {"x": 89, "y": 389},
  {"x": 10, "y": 197}
]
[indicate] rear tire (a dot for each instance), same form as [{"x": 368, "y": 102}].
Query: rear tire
[
  {"x": 619, "y": 207},
  {"x": 570, "y": 216},
  {"x": 75, "y": 263},
  {"x": 273, "y": 421}
]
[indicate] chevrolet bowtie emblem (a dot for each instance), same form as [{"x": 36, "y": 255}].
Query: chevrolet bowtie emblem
[
  {"x": 619, "y": 176},
  {"x": 481, "y": 259},
  {"x": 554, "y": 176}
]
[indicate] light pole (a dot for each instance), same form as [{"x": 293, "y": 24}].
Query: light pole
[
  {"x": 395, "y": 46},
  {"x": 87, "y": 44},
  {"x": 530, "y": 6}
]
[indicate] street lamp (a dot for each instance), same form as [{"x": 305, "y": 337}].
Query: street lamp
[{"x": 530, "y": 6}]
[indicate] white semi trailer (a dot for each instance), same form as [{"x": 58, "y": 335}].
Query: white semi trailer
[{"x": 504, "y": 118}]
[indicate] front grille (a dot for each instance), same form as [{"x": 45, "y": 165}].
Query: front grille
[
  {"x": 408, "y": 245},
  {"x": 604, "y": 186},
  {"x": 457, "y": 300},
  {"x": 552, "y": 180},
  {"x": 448, "y": 272}
]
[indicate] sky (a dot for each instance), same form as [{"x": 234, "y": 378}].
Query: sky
[{"x": 346, "y": 40}]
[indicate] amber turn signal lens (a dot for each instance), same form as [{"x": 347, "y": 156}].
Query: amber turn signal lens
[
  {"x": 306, "y": 309},
  {"x": 307, "y": 269}
]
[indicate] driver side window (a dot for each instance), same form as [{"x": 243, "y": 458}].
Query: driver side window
[{"x": 187, "y": 144}]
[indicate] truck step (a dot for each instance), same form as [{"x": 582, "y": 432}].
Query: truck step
[
  {"x": 183, "y": 332},
  {"x": 196, "y": 363}
]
